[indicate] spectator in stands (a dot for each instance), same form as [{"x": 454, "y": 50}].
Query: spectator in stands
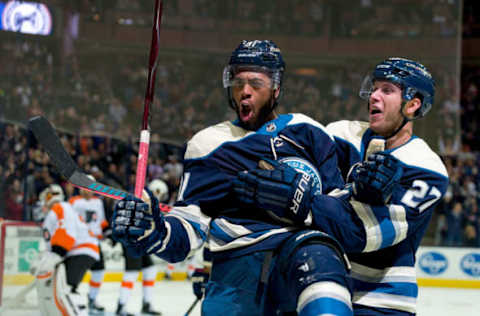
[
  {"x": 472, "y": 223},
  {"x": 455, "y": 220},
  {"x": 14, "y": 201}
]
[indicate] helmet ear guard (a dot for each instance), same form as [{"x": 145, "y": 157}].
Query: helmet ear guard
[{"x": 413, "y": 78}]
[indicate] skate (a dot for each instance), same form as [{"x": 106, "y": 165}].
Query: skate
[
  {"x": 147, "y": 309},
  {"x": 94, "y": 308},
  {"x": 121, "y": 311}
]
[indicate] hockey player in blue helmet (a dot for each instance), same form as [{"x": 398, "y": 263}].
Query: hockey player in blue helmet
[
  {"x": 253, "y": 79},
  {"x": 258, "y": 267},
  {"x": 417, "y": 95},
  {"x": 381, "y": 229}
]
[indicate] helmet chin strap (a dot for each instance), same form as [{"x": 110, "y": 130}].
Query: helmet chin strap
[{"x": 404, "y": 122}]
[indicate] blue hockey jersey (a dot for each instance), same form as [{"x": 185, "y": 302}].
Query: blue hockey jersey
[
  {"x": 381, "y": 241},
  {"x": 206, "y": 208}
]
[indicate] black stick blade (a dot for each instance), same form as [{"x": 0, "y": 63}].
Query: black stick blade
[{"x": 48, "y": 138}]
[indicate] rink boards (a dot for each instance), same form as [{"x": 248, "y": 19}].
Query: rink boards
[{"x": 21, "y": 244}]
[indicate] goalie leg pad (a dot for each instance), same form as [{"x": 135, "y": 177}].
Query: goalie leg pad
[
  {"x": 46, "y": 295},
  {"x": 71, "y": 304},
  {"x": 55, "y": 297}
]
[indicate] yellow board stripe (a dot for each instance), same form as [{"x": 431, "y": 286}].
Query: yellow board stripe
[
  {"x": 450, "y": 283},
  {"x": 23, "y": 279},
  {"x": 117, "y": 276}
]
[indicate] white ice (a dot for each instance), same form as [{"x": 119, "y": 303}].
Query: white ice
[{"x": 173, "y": 298}]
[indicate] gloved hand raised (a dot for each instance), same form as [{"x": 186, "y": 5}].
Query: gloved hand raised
[
  {"x": 278, "y": 189},
  {"x": 373, "y": 180},
  {"x": 138, "y": 224}
]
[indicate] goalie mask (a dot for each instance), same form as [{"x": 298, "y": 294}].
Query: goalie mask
[
  {"x": 256, "y": 56},
  {"x": 160, "y": 189},
  {"x": 51, "y": 195}
]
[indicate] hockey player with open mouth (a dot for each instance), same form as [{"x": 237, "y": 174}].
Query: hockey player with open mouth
[
  {"x": 380, "y": 229},
  {"x": 259, "y": 267}
]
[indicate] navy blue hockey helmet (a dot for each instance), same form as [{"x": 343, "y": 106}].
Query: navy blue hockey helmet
[
  {"x": 257, "y": 55},
  {"x": 411, "y": 76}
]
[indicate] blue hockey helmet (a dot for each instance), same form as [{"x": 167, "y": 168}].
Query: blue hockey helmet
[
  {"x": 257, "y": 55},
  {"x": 413, "y": 78}
]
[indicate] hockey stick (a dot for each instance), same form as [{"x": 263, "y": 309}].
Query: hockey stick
[
  {"x": 48, "y": 138},
  {"x": 149, "y": 95},
  {"x": 192, "y": 306}
]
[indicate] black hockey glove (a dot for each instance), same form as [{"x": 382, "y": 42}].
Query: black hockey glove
[
  {"x": 199, "y": 282},
  {"x": 139, "y": 225},
  {"x": 278, "y": 189},
  {"x": 373, "y": 180}
]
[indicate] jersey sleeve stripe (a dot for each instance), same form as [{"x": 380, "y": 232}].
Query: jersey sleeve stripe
[
  {"x": 370, "y": 223},
  {"x": 391, "y": 274},
  {"x": 385, "y": 300},
  {"x": 384, "y": 225},
  {"x": 399, "y": 220}
]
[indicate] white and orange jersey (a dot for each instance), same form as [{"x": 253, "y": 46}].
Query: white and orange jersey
[
  {"x": 92, "y": 212},
  {"x": 65, "y": 228}
]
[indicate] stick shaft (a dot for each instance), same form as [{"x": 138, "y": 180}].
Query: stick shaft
[
  {"x": 192, "y": 307},
  {"x": 144, "y": 144}
]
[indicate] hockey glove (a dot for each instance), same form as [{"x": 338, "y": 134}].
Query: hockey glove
[
  {"x": 373, "y": 180},
  {"x": 278, "y": 189},
  {"x": 139, "y": 225},
  {"x": 199, "y": 282}
]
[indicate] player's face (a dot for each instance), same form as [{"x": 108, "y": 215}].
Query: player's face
[
  {"x": 252, "y": 93},
  {"x": 384, "y": 108}
]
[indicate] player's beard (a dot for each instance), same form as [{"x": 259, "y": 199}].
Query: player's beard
[{"x": 261, "y": 118}]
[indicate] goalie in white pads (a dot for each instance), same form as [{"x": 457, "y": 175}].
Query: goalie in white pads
[{"x": 71, "y": 251}]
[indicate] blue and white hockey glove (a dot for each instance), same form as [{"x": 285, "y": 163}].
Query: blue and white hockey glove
[
  {"x": 139, "y": 225},
  {"x": 373, "y": 180},
  {"x": 278, "y": 189}
]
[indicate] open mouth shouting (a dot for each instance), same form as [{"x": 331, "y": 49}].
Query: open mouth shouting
[
  {"x": 245, "y": 112},
  {"x": 375, "y": 112}
]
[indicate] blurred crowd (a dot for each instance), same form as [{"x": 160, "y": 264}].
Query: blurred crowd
[
  {"x": 105, "y": 95},
  {"x": 458, "y": 216},
  {"x": 316, "y": 18},
  {"x": 26, "y": 169}
]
